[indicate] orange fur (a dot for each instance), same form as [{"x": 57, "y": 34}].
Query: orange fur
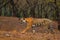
[{"x": 31, "y": 21}]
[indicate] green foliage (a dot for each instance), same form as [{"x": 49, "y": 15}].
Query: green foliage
[
  {"x": 3, "y": 11},
  {"x": 37, "y": 8}
]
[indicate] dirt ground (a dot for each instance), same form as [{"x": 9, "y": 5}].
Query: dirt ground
[
  {"x": 29, "y": 36},
  {"x": 10, "y": 29}
]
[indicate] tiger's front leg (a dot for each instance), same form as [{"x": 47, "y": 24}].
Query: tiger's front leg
[{"x": 29, "y": 25}]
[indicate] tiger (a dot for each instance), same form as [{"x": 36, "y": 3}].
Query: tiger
[{"x": 30, "y": 21}]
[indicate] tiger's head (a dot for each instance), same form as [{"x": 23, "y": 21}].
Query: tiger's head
[{"x": 22, "y": 20}]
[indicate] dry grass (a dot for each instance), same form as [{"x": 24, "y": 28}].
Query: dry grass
[
  {"x": 12, "y": 24},
  {"x": 29, "y": 36}
]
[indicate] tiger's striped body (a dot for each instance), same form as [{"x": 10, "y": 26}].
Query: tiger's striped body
[{"x": 30, "y": 21}]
